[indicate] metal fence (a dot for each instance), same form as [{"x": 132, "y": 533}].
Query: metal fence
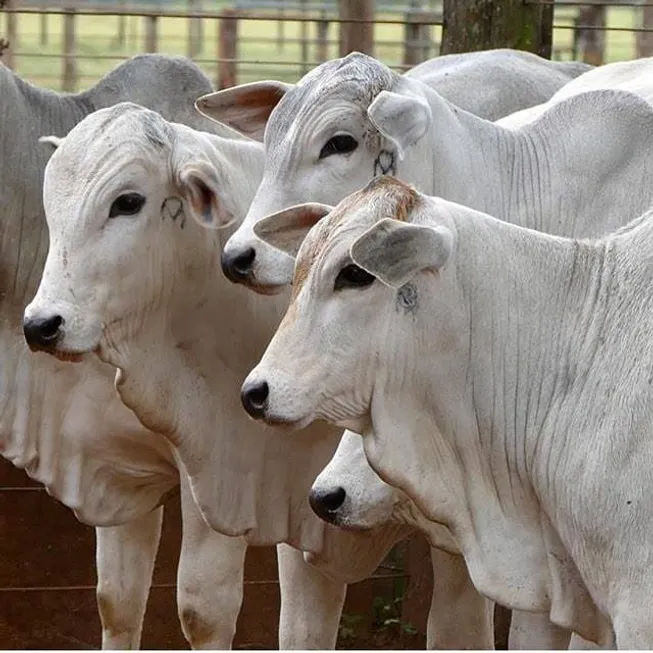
[{"x": 69, "y": 44}]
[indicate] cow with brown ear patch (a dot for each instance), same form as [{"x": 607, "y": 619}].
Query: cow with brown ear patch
[{"x": 469, "y": 407}]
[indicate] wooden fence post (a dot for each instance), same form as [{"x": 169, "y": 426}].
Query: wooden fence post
[
  {"x": 12, "y": 36},
  {"x": 121, "y": 32},
  {"x": 356, "y": 36},
  {"x": 69, "y": 81},
  {"x": 151, "y": 33},
  {"x": 227, "y": 48},
  {"x": 484, "y": 24},
  {"x": 303, "y": 38},
  {"x": 644, "y": 40},
  {"x": 417, "y": 36},
  {"x": 419, "y": 589},
  {"x": 322, "y": 45},
  {"x": 194, "y": 29},
  {"x": 280, "y": 29},
  {"x": 43, "y": 21},
  {"x": 591, "y": 42}
]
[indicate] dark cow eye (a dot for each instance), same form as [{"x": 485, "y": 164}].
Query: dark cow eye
[
  {"x": 127, "y": 204},
  {"x": 339, "y": 144},
  {"x": 351, "y": 276}
]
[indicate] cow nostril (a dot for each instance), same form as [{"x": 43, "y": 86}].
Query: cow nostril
[
  {"x": 237, "y": 267},
  {"x": 326, "y": 504},
  {"x": 42, "y": 332},
  {"x": 254, "y": 397},
  {"x": 50, "y": 328}
]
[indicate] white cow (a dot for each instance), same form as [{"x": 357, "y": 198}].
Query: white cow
[
  {"x": 67, "y": 428},
  {"x": 353, "y": 118},
  {"x": 320, "y": 146},
  {"x": 141, "y": 287},
  {"x": 500, "y": 378},
  {"x": 64, "y": 424},
  {"x": 633, "y": 76}
]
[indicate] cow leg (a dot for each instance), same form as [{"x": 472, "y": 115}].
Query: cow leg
[
  {"x": 125, "y": 560},
  {"x": 311, "y": 604},
  {"x": 460, "y": 617},
  {"x": 209, "y": 579},
  {"x": 534, "y": 630}
]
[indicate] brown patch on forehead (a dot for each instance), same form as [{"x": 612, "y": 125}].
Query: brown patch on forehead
[
  {"x": 400, "y": 197},
  {"x": 387, "y": 196}
]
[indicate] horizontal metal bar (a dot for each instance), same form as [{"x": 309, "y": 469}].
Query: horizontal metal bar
[
  {"x": 157, "y": 13},
  {"x": 216, "y": 60},
  {"x": 157, "y": 586},
  {"x": 604, "y": 29},
  {"x": 587, "y": 3}
]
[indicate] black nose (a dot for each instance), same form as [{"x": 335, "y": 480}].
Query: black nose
[
  {"x": 42, "y": 332},
  {"x": 326, "y": 504},
  {"x": 237, "y": 266},
  {"x": 255, "y": 398}
]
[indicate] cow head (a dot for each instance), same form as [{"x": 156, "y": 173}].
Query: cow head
[
  {"x": 122, "y": 194},
  {"x": 356, "y": 305},
  {"x": 348, "y": 493},
  {"x": 344, "y": 123}
]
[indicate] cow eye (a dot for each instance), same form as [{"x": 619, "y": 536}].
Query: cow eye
[
  {"x": 339, "y": 144},
  {"x": 351, "y": 276},
  {"x": 127, "y": 204}
]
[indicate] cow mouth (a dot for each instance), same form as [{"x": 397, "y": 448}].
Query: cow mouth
[
  {"x": 285, "y": 423},
  {"x": 263, "y": 289},
  {"x": 64, "y": 355}
]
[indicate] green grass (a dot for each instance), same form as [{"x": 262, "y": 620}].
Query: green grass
[{"x": 258, "y": 45}]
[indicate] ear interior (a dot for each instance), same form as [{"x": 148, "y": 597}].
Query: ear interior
[
  {"x": 286, "y": 230},
  {"x": 245, "y": 108},
  {"x": 53, "y": 141},
  {"x": 395, "y": 252},
  {"x": 200, "y": 188},
  {"x": 403, "y": 118}
]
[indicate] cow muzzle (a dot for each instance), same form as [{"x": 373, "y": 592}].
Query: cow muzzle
[
  {"x": 43, "y": 333},
  {"x": 254, "y": 396}
]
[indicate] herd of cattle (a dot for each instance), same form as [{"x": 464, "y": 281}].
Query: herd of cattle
[{"x": 499, "y": 369}]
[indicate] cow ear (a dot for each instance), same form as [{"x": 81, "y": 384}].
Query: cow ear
[
  {"x": 403, "y": 118},
  {"x": 200, "y": 188},
  {"x": 395, "y": 252},
  {"x": 287, "y": 229},
  {"x": 53, "y": 141},
  {"x": 245, "y": 108}
]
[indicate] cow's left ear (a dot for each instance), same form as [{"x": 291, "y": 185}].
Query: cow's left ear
[
  {"x": 53, "y": 141},
  {"x": 395, "y": 252},
  {"x": 200, "y": 189},
  {"x": 286, "y": 230},
  {"x": 403, "y": 117}
]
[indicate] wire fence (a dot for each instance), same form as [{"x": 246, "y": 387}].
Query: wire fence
[{"x": 69, "y": 44}]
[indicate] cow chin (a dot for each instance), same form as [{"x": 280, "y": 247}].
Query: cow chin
[
  {"x": 287, "y": 423},
  {"x": 263, "y": 289},
  {"x": 69, "y": 356}
]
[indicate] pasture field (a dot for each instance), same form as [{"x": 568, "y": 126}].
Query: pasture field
[{"x": 259, "y": 49}]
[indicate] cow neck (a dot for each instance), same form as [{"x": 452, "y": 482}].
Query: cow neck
[{"x": 514, "y": 319}]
